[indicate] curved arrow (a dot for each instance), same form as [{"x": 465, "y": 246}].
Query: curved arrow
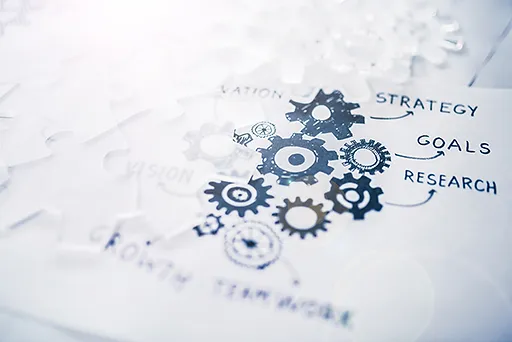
[
  {"x": 430, "y": 195},
  {"x": 439, "y": 153},
  {"x": 409, "y": 112}
]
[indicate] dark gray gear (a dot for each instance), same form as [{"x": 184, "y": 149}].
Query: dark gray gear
[
  {"x": 379, "y": 151},
  {"x": 296, "y": 168},
  {"x": 319, "y": 223},
  {"x": 239, "y": 197},
  {"x": 338, "y": 123},
  {"x": 358, "y": 206}
]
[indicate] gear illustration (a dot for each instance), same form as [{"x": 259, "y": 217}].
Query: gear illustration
[
  {"x": 339, "y": 121},
  {"x": 357, "y": 196},
  {"x": 239, "y": 197},
  {"x": 263, "y": 129},
  {"x": 303, "y": 232},
  {"x": 381, "y": 156},
  {"x": 210, "y": 226},
  {"x": 295, "y": 159},
  {"x": 195, "y": 150},
  {"x": 252, "y": 244}
]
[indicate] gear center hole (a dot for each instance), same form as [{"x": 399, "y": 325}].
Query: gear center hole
[
  {"x": 365, "y": 157},
  {"x": 351, "y": 195},
  {"x": 296, "y": 159},
  {"x": 217, "y": 145},
  {"x": 321, "y": 112},
  {"x": 302, "y": 218}
]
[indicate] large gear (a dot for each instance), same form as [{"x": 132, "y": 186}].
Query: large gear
[
  {"x": 358, "y": 196},
  {"x": 339, "y": 121},
  {"x": 303, "y": 232},
  {"x": 252, "y": 244},
  {"x": 210, "y": 226},
  {"x": 239, "y": 197},
  {"x": 195, "y": 151},
  {"x": 379, "y": 151},
  {"x": 295, "y": 159}
]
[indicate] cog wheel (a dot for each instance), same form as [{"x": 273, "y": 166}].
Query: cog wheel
[
  {"x": 252, "y": 244},
  {"x": 339, "y": 121},
  {"x": 358, "y": 196},
  {"x": 295, "y": 159},
  {"x": 263, "y": 129},
  {"x": 379, "y": 151},
  {"x": 303, "y": 232},
  {"x": 210, "y": 226},
  {"x": 239, "y": 197},
  {"x": 195, "y": 150}
]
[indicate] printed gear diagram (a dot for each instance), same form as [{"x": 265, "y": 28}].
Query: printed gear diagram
[
  {"x": 338, "y": 123},
  {"x": 381, "y": 156},
  {"x": 358, "y": 196},
  {"x": 295, "y": 159},
  {"x": 239, "y": 197},
  {"x": 252, "y": 244},
  {"x": 320, "y": 220},
  {"x": 210, "y": 226}
]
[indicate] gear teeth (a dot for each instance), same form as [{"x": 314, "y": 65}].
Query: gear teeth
[
  {"x": 348, "y": 152},
  {"x": 316, "y": 141},
  {"x": 338, "y": 124},
  {"x": 225, "y": 202},
  {"x": 361, "y": 186},
  {"x": 364, "y": 180},
  {"x": 283, "y": 210},
  {"x": 332, "y": 155},
  {"x": 348, "y": 176},
  {"x": 285, "y": 177}
]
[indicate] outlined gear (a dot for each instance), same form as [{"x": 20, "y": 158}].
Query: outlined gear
[
  {"x": 252, "y": 244},
  {"x": 195, "y": 150},
  {"x": 263, "y": 129},
  {"x": 303, "y": 232},
  {"x": 358, "y": 197},
  {"x": 210, "y": 226},
  {"x": 295, "y": 159},
  {"x": 339, "y": 121},
  {"x": 239, "y": 197},
  {"x": 380, "y": 153}
]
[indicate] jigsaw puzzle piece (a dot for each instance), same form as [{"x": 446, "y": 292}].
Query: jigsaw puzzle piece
[{"x": 72, "y": 180}]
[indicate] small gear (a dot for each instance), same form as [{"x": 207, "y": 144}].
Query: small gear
[
  {"x": 263, "y": 129},
  {"x": 210, "y": 226},
  {"x": 239, "y": 197},
  {"x": 303, "y": 232},
  {"x": 339, "y": 121},
  {"x": 379, "y": 151},
  {"x": 295, "y": 159},
  {"x": 252, "y": 244},
  {"x": 358, "y": 196},
  {"x": 195, "y": 150}
]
